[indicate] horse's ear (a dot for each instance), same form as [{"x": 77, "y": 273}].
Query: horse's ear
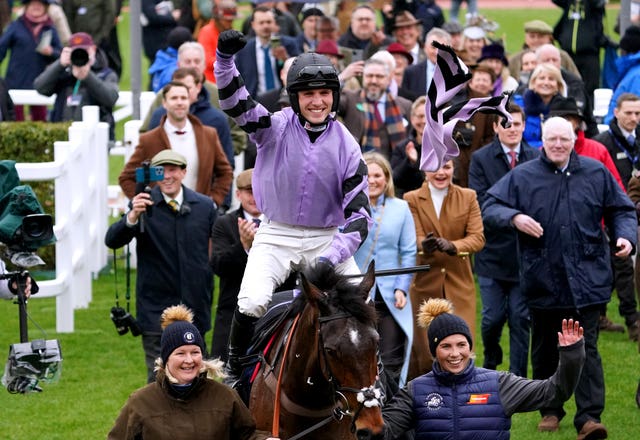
[
  {"x": 309, "y": 290},
  {"x": 369, "y": 279}
]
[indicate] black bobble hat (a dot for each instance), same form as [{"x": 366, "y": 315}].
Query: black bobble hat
[
  {"x": 178, "y": 331},
  {"x": 630, "y": 41},
  {"x": 437, "y": 316}
]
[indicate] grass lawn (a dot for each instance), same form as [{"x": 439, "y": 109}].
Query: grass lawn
[{"x": 102, "y": 368}]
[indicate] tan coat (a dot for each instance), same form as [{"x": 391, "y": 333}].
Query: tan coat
[
  {"x": 450, "y": 276},
  {"x": 214, "y": 171}
]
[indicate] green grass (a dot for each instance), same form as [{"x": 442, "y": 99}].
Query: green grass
[{"x": 101, "y": 368}]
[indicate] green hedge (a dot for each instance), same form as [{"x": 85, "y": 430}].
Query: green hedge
[{"x": 32, "y": 142}]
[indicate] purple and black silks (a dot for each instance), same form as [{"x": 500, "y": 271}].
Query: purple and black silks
[{"x": 451, "y": 75}]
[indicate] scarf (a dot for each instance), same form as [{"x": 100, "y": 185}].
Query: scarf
[
  {"x": 372, "y": 127},
  {"x": 35, "y": 25}
]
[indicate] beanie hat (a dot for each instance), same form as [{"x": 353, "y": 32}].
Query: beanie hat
[
  {"x": 436, "y": 315},
  {"x": 630, "y": 41},
  {"x": 178, "y": 330},
  {"x": 311, "y": 12},
  {"x": 179, "y": 35}
]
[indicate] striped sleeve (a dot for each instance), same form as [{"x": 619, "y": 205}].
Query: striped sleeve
[{"x": 235, "y": 100}]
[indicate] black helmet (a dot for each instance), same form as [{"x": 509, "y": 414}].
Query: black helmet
[{"x": 312, "y": 71}]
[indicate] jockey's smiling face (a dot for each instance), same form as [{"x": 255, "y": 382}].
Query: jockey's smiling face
[{"x": 315, "y": 104}]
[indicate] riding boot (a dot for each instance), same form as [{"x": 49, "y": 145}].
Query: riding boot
[{"x": 241, "y": 333}]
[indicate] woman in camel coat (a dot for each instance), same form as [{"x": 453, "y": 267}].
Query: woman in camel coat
[{"x": 448, "y": 230}]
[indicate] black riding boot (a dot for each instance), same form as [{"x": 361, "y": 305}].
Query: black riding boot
[{"x": 242, "y": 328}]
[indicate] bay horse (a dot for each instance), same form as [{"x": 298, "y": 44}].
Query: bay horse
[{"x": 328, "y": 373}]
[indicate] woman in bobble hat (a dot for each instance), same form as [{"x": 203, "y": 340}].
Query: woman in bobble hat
[
  {"x": 186, "y": 401},
  {"x": 459, "y": 400}
]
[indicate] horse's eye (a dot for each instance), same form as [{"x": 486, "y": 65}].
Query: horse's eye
[{"x": 330, "y": 351}]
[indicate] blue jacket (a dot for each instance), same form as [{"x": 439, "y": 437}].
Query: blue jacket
[
  {"x": 484, "y": 399},
  {"x": 465, "y": 406},
  {"x": 25, "y": 64},
  {"x": 488, "y": 165},
  {"x": 391, "y": 243},
  {"x": 165, "y": 63},
  {"x": 629, "y": 72},
  {"x": 569, "y": 266},
  {"x": 535, "y": 111},
  {"x": 173, "y": 258}
]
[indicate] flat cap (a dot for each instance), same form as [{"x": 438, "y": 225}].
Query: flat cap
[
  {"x": 243, "y": 181},
  {"x": 538, "y": 26},
  {"x": 169, "y": 157}
]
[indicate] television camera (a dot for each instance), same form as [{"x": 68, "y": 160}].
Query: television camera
[{"x": 24, "y": 228}]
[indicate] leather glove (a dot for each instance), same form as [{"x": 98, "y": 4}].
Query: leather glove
[
  {"x": 446, "y": 246},
  {"x": 231, "y": 41},
  {"x": 429, "y": 244}
]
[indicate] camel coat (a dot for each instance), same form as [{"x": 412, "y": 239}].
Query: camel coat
[{"x": 450, "y": 276}]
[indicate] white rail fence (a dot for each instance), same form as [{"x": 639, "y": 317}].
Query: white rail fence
[
  {"x": 80, "y": 174},
  {"x": 123, "y": 107}
]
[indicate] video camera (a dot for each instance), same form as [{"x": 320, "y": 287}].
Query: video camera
[{"x": 23, "y": 229}]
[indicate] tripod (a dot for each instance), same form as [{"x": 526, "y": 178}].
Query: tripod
[{"x": 21, "y": 283}]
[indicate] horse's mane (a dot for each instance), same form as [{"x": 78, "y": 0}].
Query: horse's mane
[{"x": 342, "y": 294}]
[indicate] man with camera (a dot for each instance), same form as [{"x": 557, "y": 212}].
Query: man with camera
[
  {"x": 80, "y": 77},
  {"x": 172, "y": 225}
]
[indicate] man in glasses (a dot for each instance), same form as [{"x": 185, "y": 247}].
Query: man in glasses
[
  {"x": 309, "y": 180},
  {"x": 557, "y": 204}
]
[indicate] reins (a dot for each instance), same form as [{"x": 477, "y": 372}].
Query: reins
[{"x": 276, "y": 406}]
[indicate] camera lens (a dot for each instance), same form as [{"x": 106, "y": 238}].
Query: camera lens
[{"x": 79, "y": 57}]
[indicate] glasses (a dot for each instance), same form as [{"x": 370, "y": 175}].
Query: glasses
[
  {"x": 558, "y": 139},
  {"x": 317, "y": 72}
]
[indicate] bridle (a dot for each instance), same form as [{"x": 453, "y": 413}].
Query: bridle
[{"x": 367, "y": 397}]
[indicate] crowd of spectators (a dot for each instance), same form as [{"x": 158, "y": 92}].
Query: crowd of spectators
[{"x": 384, "y": 59}]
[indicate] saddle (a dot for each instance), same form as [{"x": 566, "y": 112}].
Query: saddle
[{"x": 268, "y": 327}]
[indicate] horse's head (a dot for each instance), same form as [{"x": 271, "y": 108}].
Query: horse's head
[{"x": 347, "y": 343}]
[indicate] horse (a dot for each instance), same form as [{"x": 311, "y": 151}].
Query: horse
[{"x": 324, "y": 384}]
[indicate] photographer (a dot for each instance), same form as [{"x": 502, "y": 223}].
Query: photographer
[
  {"x": 80, "y": 77},
  {"x": 172, "y": 225},
  {"x": 9, "y": 288}
]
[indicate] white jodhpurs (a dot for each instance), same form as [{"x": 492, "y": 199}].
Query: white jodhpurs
[{"x": 275, "y": 247}]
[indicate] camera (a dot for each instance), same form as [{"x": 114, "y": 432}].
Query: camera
[
  {"x": 144, "y": 176},
  {"x": 79, "y": 57},
  {"x": 124, "y": 321}
]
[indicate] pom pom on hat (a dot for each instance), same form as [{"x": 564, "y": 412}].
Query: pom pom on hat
[
  {"x": 178, "y": 330},
  {"x": 436, "y": 315}
]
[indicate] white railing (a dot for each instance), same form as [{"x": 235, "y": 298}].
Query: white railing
[
  {"x": 123, "y": 106},
  {"x": 80, "y": 174}
]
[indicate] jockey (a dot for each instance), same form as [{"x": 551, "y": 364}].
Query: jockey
[{"x": 309, "y": 180}]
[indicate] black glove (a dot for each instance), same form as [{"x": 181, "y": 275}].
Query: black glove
[
  {"x": 231, "y": 41},
  {"x": 429, "y": 244},
  {"x": 445, "y": 245},
  {"x": 638, "y": 211},
  {"x": 324, "y": 262}
]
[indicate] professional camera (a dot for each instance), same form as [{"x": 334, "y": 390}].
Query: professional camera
[
  {"x": 79, "y": 57},
  {"x": 124, "y": 321},
  {"x": 23, "y": 229}
]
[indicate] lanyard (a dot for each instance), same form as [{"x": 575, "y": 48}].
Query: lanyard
[
  {"x": 633, "y": 159},
  {"x": 76, "y": 87}
]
